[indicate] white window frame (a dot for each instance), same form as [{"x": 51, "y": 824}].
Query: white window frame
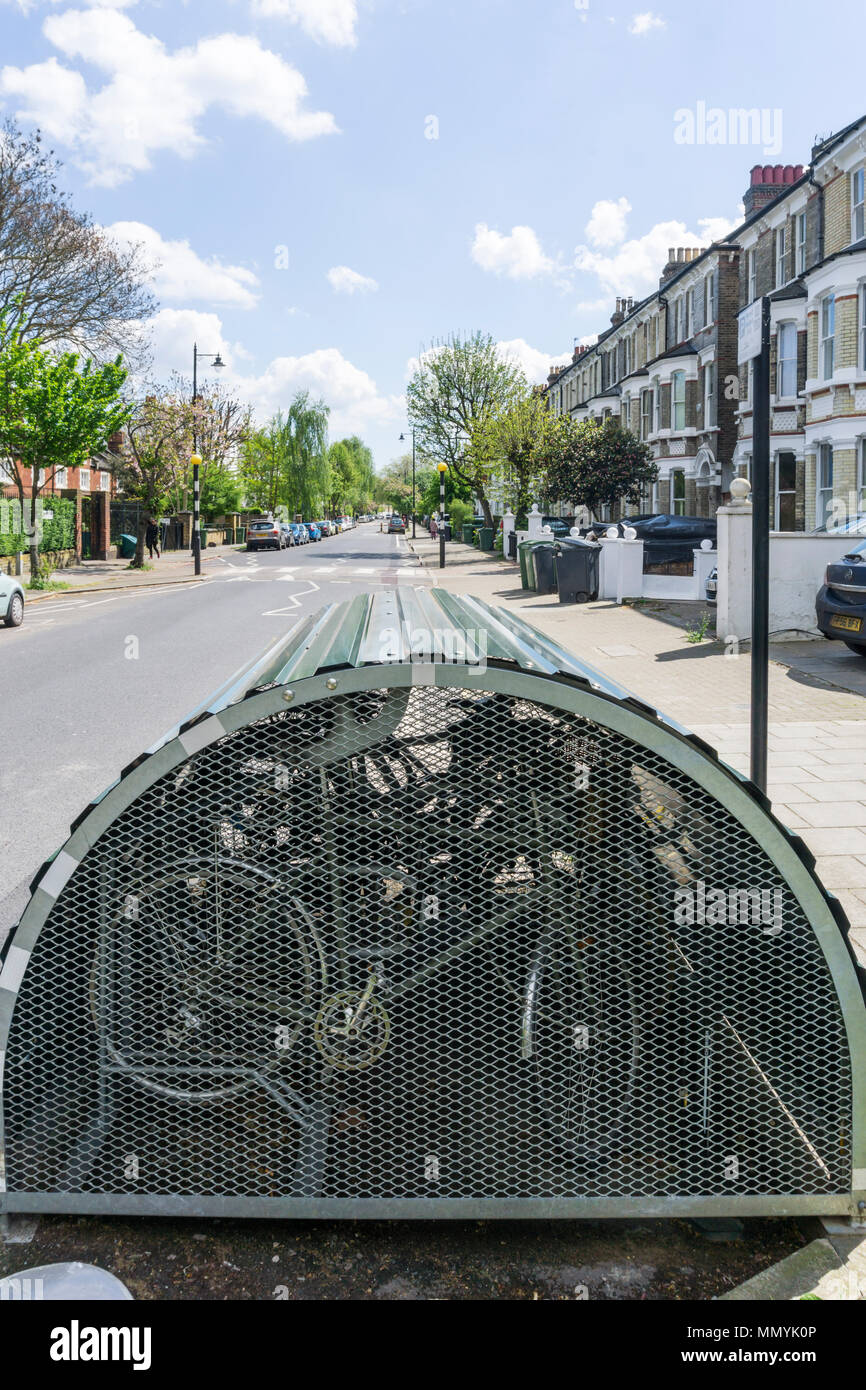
[
  {"x": 84, "y": 479},
  {"x": 658, "y": 405},
  {"x": 858, "y": 206},
  {"x": 709, "y": 395},
  {"x": 786, "y": 329},
  {"x": 676, "y": 324},
  {"x": 678, "y": 376},
  {"x": 679, "y": 501},
  {"x": 752, "y": 271},
  {"x": 827, "y": 336},
  {"x": 688, "y": 314},
  {"x": 647, "y": 403},
  {"x": 781, "y": 250},
  {"x": 861, "y": 476},
  {"x": 710, "y": 298},
  {"x": 59, "y": 479},
  {"x": 861, "y": 304},
  {"x": 104, "y": 481},
  {"x": 823, "y": 483},
  {"x": 801, "y": 243}
]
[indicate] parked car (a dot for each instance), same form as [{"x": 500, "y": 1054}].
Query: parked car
[
  {"x": 396, "y": 525},
  {"x": 840, "y": 604},
  {"x": 558, "y": 526},
  {"x": 11, "y": 601},
  {"x": 265, "y": 535},
  {"x": 287, "y": 532},
  {"x": 853, "y": 526},
  {"x": 313, "y": 531},
  {"x": 300, "y": 533},
  {"x": 712, "y": 586},
  {"x": 326, "y": 527}
]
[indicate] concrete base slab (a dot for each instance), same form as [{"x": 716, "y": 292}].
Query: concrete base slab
[{"x": 816, "y": 1271}]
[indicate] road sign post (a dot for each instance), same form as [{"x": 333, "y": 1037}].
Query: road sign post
[{"x": 753, "y": 345}]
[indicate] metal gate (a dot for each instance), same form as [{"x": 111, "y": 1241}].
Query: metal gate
[{"x": 421, "y": 916}]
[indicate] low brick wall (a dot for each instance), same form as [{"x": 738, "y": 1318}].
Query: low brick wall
[{"x": 60, "y": 559}]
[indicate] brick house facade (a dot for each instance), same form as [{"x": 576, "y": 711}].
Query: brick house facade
[
  {"x": 661, "y": 368},
  {"x": 668, "y": 365},
  {"x": 90, "y": 488}
]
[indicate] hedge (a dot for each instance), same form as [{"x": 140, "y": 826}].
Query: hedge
[{"x": 56, "y": 532}]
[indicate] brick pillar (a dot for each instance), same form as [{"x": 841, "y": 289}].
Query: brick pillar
[{"x": 100, "y": 534}]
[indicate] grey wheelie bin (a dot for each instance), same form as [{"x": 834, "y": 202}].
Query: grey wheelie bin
[{"x": 577, "y": 566}]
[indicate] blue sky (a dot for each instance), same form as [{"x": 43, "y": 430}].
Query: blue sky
[{"x": 275, "y": 157}]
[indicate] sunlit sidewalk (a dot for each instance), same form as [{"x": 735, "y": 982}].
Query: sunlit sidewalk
[{"x": 817, "y": 742}]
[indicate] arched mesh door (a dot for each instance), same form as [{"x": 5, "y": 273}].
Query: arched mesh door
[{"x": 427, "y": 943}]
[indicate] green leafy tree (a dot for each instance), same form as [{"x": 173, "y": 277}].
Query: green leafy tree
[
  {"x": 54, "y": 413},
  {"x": 286, "y": 463},
  {"x": 351, "y": 477},
  {"x": 519, "y": 447},
  {"x": 459, "y": 386},
  {"x": 156, "y": 445},
  {"x": 597, "y": 463}
]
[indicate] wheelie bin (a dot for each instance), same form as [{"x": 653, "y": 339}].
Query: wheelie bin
[
  {"x": 485, "y": 535},
  {"x": 544, "y": 562},
  {"x": 527, "y": 569},
  {"x": 577, "y": 567}
]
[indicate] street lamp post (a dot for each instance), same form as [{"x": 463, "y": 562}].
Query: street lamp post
[
  {"x": 402, "y": 438},
  {"x": 196, "y": 458},
  {"x": 443, "y": 469}
]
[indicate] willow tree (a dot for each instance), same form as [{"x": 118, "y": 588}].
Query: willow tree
[
  {"x": 286, "y": 464},
  {"x": 458, "y": 388}
]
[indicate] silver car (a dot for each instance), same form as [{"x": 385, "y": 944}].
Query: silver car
[{"x": 11, "y": 601}]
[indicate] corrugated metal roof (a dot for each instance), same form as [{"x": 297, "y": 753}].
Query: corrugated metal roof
[{"x": 406, "y": 625}]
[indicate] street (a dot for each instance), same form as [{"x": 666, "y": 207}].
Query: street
[{"x": 77, "y": 708}]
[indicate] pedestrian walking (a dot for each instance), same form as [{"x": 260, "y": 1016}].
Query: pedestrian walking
[{"x": 151, "y": 537}]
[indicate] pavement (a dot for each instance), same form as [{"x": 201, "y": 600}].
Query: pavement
[{"x": 817, "y": 730}]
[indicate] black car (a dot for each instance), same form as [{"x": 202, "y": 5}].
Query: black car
[{"x": 840, "y": 604}]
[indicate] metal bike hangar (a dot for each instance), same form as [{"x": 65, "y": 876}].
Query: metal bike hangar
[{"x": 419, "y": 915}]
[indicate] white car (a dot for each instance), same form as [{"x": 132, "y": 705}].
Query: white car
[{"x": 11, "y": 601}]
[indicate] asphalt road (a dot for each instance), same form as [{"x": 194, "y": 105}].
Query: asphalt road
[{"x": 76, "y": 708}]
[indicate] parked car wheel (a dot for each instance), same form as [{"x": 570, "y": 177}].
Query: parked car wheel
[
  {"x": 856, "y": 647},
  {"x": 15, "y": 611}
]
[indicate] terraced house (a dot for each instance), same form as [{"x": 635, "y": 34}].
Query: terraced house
[
  {"x": 667, "y": 365},
  {"x": 805, "y": 247},
  {"x": 664, "y": 368}
]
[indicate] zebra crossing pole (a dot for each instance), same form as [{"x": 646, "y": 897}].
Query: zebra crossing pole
[
  {"x": 196, "y": 512},
  {"x": 442, "y": 471}
]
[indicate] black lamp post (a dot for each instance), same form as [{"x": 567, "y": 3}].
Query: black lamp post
[
  {"x": 196, "y": 460},
  {"x": 402, "y": 438}
]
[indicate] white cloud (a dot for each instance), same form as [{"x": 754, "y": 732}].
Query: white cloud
[
  {"x": 635, "y": 266},
  {"x": 327, "y": 21},
  {"x": 644, "y": 23},
  {"x": 172, "y": 333},
  {"x": 517, "y": 255},
  {"x": 606, "y": 226},
  {"x": 153, "y": 99},
  {"x": 534, "y": 364},
  {"x": 355, "y": 400},
  {"x": 343, "y": 280},
  {"x": 181, "y": 274}
]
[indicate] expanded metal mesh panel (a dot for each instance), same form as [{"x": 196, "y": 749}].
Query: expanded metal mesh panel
[{"x": 427, "y": 943}]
